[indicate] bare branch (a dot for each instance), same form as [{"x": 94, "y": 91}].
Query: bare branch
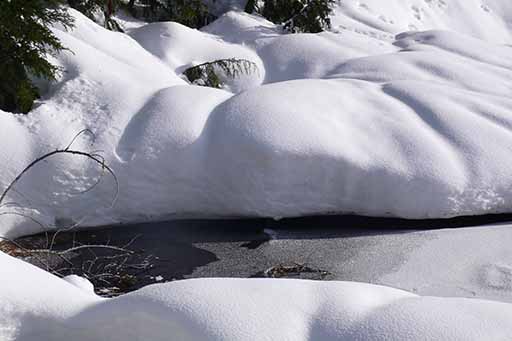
[
  {"x": 101, "y": 162},
  {"x": 115, "y": 248},
  {"x": 83, "y": 131}
]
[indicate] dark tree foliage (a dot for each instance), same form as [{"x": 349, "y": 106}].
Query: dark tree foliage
[
  {"x": 25, "y": 42},
  {"x": 295, "y": 15},
  {"x": 250, "y": 6},
  {"x": 87, "y": 7},
  {"x": 152, "y": 8},
  {"x": 211, "y": 74},
  {"x": 91, "y": 7},
  {"x": 191, "y": 13}
]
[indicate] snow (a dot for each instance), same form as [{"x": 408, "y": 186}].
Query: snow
[
  {"x": 38, "y": 306},
  {"x": 371, "y": 118},
  {"x": 459, "y": 262},
  {"x": 176, "y": 45},
  {"x": 402, "y": 109},
  {"x": 80, "y": 282},
  {"x": 487, "y": 20},
  {"x": 219, "y": 7}
]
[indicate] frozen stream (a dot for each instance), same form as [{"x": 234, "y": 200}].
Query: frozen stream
[{"x": 451, "y": 261}]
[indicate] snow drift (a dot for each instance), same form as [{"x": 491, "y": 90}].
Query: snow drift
[
  {"x": 38, "y": 306},
  {"x": 372, "y": 118}
]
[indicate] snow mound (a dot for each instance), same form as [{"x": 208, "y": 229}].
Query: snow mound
[
  {"x": 416, "y": 125},
  {"x": 38, "y": 306},
  {"x": 294, "y": 56},
  {"x": 80, "y": 282},
  {"x": 181, "y": 47},
  {"x": 488, "y": 20}
]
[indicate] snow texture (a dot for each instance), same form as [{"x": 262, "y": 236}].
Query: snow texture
[
  {"x": 38, "y": 306},
  {"x": 402, "y": 110},
  {"x": 469, "y": 262}
]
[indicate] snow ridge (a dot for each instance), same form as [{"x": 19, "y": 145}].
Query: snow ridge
[
  {"x": 371, "y": 118},
  {"x": 38, "y": 306}
]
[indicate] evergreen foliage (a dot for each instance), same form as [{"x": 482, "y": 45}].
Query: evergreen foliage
[
  {"x": 295, "y": 15},
  {"x": 191, "y": 13},
  {"x": 92, "y": 7},
  {"x": 211, "y": 74},
  {"x": 87, "y": 7},
  {"x": 25, "y": 42}
]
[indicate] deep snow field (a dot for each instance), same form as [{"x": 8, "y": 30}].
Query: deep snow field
[
  {"x": 373, "y": 119},
  {"x": 235, "y": 310},
  {"x": 403, "y": 109}
]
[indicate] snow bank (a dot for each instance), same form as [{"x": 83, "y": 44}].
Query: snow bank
[
  {"x": 489, "y": 20},
  {"x": 181, "y": 47},
  {"x": 38, "y": 306},
  {"x": 416, "y": 125}
]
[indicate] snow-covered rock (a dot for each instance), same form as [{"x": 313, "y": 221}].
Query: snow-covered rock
[
  {"x": 181, "y": 47},
  {"x": 372, "y": 118},
  {"x": 37, "y": 306}
]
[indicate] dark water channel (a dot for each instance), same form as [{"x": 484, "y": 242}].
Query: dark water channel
[{"x": 320, "y": 248}]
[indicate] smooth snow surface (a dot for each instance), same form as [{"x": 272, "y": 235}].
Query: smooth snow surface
[
  {"x": 469, "y": 262},
  {"x": 38, "y": 306},
  {"x": 404, "y": 109}
]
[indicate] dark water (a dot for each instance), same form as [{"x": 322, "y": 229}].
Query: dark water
[{"x": 322, "y": 248}]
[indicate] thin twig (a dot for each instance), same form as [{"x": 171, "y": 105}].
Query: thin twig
[{"x": 78, "y": 248}]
